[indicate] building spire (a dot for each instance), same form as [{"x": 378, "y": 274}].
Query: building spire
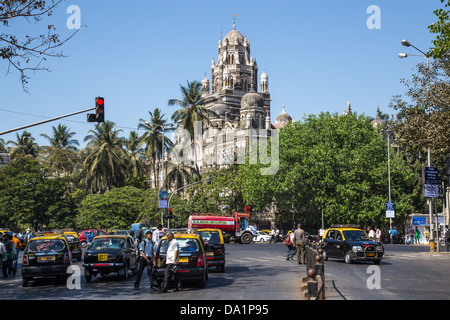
[{"x": 234, "y": 21}]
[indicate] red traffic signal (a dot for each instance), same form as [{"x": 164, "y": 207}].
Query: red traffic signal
[
  {"x": 100, "y": 109},
  {"x": 99, "y": 115}
]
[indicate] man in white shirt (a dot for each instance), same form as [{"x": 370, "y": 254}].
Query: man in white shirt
[
  {"x": 157, "y": 235},
  {"x": 171, "y": 261}
]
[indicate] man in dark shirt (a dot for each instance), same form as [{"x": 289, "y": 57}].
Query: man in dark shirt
[{"x": 300, "y": 241}]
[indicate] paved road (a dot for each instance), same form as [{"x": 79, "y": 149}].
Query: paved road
[
  {"x": 406, "y": 273},
  {"x": 261, "y": 272},
  {"x": 253, "y": 272}
]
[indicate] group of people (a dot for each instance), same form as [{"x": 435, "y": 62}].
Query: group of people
[
  {"x": 10, "y": 247},
  {"x": 147, "y": 247}
]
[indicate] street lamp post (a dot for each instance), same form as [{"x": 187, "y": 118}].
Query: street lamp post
[
  {"x": 388, "y": 133},
  {"x": 406, "y": 43}
]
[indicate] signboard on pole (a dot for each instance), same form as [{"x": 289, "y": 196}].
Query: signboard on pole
[
  {"x": 431, "y": 182},
  {"x": 390, "y": 209},
  {"x": 163, "y": 199}
]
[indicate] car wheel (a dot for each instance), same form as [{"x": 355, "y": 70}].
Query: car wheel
[
  {"x": 125, "y": 272},
  {"x": 202, "y": 282},
  {"x": 246, "y": 238},
  {"x": 377, "y": 261},
  {"x": 222, "y": 268},
  {"x": 348, "y": 259},
  {"x": 88, "y": 275},
  {"x": 24, "y": 282}
]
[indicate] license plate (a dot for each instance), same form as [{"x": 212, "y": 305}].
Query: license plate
[
  {"x": 46, "y": 259},
  {"x": 210, "y": 253},
  {"x": 371, "y": 254},
  {"x": 183, "y": 259},
  {"x": 102, "y": 257}
]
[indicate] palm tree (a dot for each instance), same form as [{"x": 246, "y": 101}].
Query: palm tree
[
  {"x": 135, "y": 154},
  {"x": 24, "y": 145},
  {"x": 192, "y": 110},
  {"x": 176, "y": 175},
  {"x": 106, "y": 163},
  {"x": 61, "y": 154},
  {"x": 154, "y": 136},
  {"x": 2, "y": 145}
]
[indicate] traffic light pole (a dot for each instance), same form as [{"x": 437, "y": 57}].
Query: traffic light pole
[{"x": 45, "y": 121}]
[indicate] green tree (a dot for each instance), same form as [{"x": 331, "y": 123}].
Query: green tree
[
  {"x": 135, "y": 154},
  {"x": 154, "y": 136},
  {"x": 192, "y": 110},
  {"x": 442, "y": 30},
  {"x": 30, "y": 198},
  {"x": 106, "y": 161},
  {"x": 118, "y": 208},
  {"x": 335, "y": 163},
  {"x": 24, "y": 145},
  {"x": 61, "y": 155}
]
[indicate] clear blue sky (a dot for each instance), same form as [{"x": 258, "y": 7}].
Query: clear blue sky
[{"x": 318, "y": 55}]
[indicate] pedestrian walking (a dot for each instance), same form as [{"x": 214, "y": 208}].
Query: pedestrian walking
[
  {"x": 3, "y": 256},
  {"x": 290, "y": 245},
  {"x": 89, "y": 236},
  {"x": 411, "y": 235},
  {"x": 300, "y": 242},
  {"x": 416, "y": 236},
  {"x": 146, "y": 260},
  {"x": 16, "y": 249},
  {"x": 272, "y": 235},
  {"x": 371, "y": 233},
  {"x": 172, "y": 264},
  {"x": 447, "y": 238},
  {"x": 7, "y": 265},
  {"x": 377, "y": 234}
]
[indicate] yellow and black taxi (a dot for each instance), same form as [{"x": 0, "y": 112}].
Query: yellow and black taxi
[
  {"x": 110, "y": 253},
  {"x": 215, "y": 247},
  {"x": 351, "y": 244},
  {"x": 46, "y": 255},
  {"x": 191, "y": 258},
  {"x": 74, "y": 242}
]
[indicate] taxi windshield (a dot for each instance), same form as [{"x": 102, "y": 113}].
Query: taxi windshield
[
  {"x": 98, "y": 244},
  {"x": 355, "y": 235},
  {"x": 210, "y": 237},
  {"x": 46, "y": 245},
  {"x": 185, "y": 245}
]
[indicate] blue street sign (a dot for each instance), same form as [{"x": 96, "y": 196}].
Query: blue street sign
[
  {"x": 431, "y": 182},
  {"x": 390, "y": 209}
]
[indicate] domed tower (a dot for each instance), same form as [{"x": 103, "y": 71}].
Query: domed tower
[
  {"x": 235, "y": 73},
  {"x": 205, "y": 85},
  {"x": 264, "y": 82},
  {"x": 283, "y": 116}
]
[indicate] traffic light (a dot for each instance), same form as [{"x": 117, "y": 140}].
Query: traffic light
[
  {"x": 99, "y": 115},
  {"x": 170, "y": 215}
]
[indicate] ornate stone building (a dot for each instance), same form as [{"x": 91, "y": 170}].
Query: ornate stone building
[{"x": 232, "y": 95}]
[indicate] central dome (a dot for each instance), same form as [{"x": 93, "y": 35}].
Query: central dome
[
  {"x": 252, "y": 99},
  {"x": 232, "y": 35}
]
